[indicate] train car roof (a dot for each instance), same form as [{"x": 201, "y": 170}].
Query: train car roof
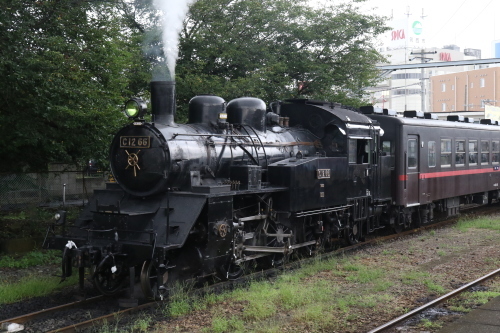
[
  {"x": 341, "y": 112},
  {"x": 432, "y": 123}
]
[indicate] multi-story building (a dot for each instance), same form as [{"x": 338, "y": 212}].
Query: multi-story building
[{"x": 476, "y": 90}]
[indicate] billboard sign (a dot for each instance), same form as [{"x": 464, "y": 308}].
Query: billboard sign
[
  {"x": 408, "y": 32},
  {"x": 492, "y": 112}
]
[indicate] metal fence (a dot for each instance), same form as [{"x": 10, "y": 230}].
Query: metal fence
[{"x": 53, "y": 188}]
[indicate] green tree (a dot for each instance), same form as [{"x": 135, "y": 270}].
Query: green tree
[
  {"x": 66, "y": 67},
  {"x": 277, "y": 49}
]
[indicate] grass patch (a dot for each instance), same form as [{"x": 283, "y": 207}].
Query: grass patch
[
  {"x": 142, "y": 324},
  {"x": 471, "y": 299},
  {"x": 366, "y": 274},
  {"x": 382, "y": 285},
  {"x": 207, "y": 300},
  {"x": 318, "y": 316},
  {"x": 427, "y": 324},
  {"x": 481, "y": 297},
  {"x": 388, "y": 252},
  {"x": 179, "y": 308},
  {"x": 180, "y": 302},
  {"x": 493, "y": 261},
  {"x": 413, "y": 277},
  {"x": 362, "y": 301},
  {"x": 112, "y": 327},
  {"x": 433, "y": 286},
  {"x": 221, "y": 325},
  {"x": 32, "y": 286},
  {"x": 459, "y": 308},
  {"x": 33, "y": 258},
  {"x": 489, "y": 223},
  {"x": 441, "y": 253},
  {"x": 351, "y": 267},
  {"x": 262, "y": 299}
]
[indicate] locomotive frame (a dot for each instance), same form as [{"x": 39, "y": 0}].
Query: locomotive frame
[{"x": 244, "y": 183}]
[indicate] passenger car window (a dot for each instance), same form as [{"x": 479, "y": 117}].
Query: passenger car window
[
  {"x": 485, "y": 152},
  {"x": 495, "y": 151},
  {"x": 445, "y": 152},
  {"x": 432, "y": 153},
  {"x": 412, "y": 153},
  {"x": 459, "y": 152},
  {"x": 473, "y": 152}
]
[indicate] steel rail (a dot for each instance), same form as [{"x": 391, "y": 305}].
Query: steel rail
[
  {"x": 434, "y": 302},
  {"x": 103, "y": 319},
  {"x": 35, "y": 315}
]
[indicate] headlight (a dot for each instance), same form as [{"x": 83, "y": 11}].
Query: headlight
[
  {"x": 60, "y": 217},
  {"x": 135, "y": 108}
]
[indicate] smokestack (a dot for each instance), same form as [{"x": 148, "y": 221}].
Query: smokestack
[{"x": 163, "y": 101}]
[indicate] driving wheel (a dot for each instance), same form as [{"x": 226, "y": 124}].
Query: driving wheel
[{"x": 109, "y": 279}]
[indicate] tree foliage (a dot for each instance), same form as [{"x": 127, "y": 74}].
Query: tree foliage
[
  {"x": 66, "y": 66},
  {"x": 277, "y": 49}
]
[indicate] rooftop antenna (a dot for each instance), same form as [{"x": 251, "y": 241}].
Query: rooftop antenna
[
  {"x": 423, "y": 16},
  {"x": 408, "y": 11}
]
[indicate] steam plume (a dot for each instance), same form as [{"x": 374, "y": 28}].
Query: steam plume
[{"x": 174, "y": 12}]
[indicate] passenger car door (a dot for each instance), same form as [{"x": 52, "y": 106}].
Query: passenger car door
[{"x": 412, "y": 170}]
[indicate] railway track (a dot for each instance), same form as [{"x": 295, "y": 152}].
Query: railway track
[
  {"x": 438, "y": 300},
  {"x": 36, "y": 320},
  {"x": 62, "y": 315}
]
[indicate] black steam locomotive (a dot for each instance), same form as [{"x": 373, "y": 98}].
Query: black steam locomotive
[{"x": 244, "y": 183}]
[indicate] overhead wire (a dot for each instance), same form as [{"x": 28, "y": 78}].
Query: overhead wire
[
  {"x": 472, "y": 21},
  {"x": 453, "y": 15}
]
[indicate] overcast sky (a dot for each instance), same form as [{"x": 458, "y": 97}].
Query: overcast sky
[{"x": 466, "y": 23}]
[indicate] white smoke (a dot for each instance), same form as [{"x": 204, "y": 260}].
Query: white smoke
[{"x": 174, "y": 12}]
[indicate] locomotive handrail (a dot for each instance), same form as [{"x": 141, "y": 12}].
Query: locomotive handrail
[
  {"x": 109, "y": 230},
  {"x": 268, "y": 144},
  {"x": 209, "y": 135},
  {"x": 148, "y": 232},
  {"x": 256, "y": 162},
  {"x": 260, "y": 141},
  {"x": 120, "y": 230},
  {"x": 250, "y": 155},
  {"x": 264, "y": 144}
]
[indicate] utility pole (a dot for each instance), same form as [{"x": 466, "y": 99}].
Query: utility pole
[{"x": 422, "y": 83}]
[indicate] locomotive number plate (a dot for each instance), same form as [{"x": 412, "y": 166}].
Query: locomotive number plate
[
  {"x": 135, "y": 141},
  {"x": 323, "y": 173}
]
